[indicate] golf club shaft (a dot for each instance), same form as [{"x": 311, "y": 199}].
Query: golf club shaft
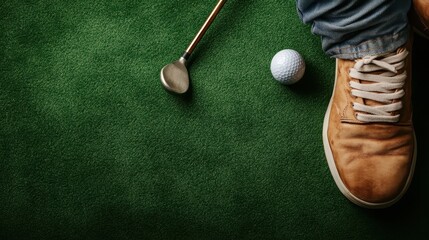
[{"x": 203, "y": 29}]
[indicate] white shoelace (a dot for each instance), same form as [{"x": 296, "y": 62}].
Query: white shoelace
[{"x": 385, "y": 88}]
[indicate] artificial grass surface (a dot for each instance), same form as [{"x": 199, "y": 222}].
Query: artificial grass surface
[{"x": 92, "y": 147}]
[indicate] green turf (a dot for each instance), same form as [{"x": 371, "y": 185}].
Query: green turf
[{"x": 92, "y": 147}]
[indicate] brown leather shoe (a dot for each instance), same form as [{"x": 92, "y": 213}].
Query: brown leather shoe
[
  {"x": 419, "y": 17},
  {"x": 368, "y": 133}
]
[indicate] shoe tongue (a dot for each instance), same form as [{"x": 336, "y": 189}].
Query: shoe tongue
[
  {"x": 370, "y": 102},
  {"x": 367, "y": 70}
]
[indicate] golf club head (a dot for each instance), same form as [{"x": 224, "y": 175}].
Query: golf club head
[{"x": 175, "y": 77}]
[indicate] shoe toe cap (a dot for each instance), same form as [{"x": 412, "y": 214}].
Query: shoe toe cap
[{"x": 376, "y": 179}]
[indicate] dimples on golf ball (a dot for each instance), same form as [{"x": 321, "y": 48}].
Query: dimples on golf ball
[{"x": 287, "y": 66}]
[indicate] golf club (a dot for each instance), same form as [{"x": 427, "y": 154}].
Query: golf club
[{"x": 174, "y": 76}]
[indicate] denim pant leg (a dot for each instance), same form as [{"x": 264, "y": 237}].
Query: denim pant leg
[{"x": 352, "y": 29}]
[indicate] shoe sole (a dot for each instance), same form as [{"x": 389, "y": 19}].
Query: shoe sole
[{"x": 336, "y": 176}]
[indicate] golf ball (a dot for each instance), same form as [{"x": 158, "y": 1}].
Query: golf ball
[{"x": 287, "y": 66}]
